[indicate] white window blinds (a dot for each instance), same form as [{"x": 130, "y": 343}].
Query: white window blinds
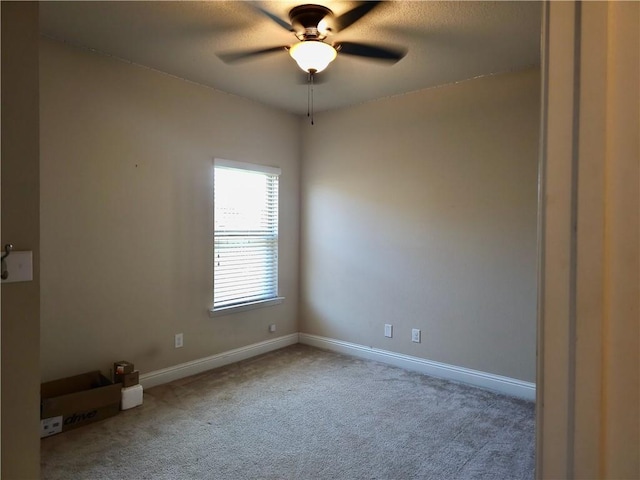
[{"x": 245, "y": 267}]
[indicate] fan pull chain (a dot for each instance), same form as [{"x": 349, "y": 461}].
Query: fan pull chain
[
  {"x": 310, "y": 95},
  {"x": 312, "y": 99}
]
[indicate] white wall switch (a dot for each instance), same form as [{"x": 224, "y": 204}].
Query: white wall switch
[
  {"x": 415, "y": 335},
  {"x": 388, "y": 330},
  {"x": 272, "y": 327},
  {"x": 178, "y": 341},
  {"x": 19, "y": 267}
]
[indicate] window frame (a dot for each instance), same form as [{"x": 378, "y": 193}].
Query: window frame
[{"x": 250, "y": 305}]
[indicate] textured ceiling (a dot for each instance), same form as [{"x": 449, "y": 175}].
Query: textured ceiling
[{"x": 447, "y": 42}]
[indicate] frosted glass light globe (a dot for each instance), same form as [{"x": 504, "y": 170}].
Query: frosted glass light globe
[{"x": 313, "y": 55}]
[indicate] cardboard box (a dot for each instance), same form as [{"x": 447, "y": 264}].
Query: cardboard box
[
  {"x": 128, "y": 379},
  {"x": 72, "y": 402},
  {"x": 122, "y": 367}
]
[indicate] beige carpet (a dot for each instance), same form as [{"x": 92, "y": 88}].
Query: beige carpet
[{"x": 304, "y": 413}]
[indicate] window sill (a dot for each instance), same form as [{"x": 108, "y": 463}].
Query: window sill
[{"x": 244, "y": 307}]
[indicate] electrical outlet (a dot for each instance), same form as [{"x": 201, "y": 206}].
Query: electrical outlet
[
  {"x": 388, "y": 330},
  {"x": 415, "y": 335},
  {"x": 272, "y": 327},
  {"x": 178, "y": 341}
]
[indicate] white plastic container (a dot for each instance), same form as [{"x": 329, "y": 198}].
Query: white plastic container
[{"x": 131, "y": 397}]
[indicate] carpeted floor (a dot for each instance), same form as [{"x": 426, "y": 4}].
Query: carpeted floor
[{"x": 303, "y": 413}]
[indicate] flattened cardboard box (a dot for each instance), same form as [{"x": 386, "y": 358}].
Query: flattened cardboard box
[{"x": 72, "y": 402}]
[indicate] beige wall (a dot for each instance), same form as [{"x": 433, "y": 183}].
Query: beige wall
[
  {"x": 126, "y": 202},
  {"x": 20, "y": 226},
  {"x": 420, "y": 211}
]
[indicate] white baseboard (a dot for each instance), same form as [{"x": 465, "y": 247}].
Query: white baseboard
[
  {"x": 187, "y": 369},
  {"x": 497, "y": 383},
  {"x": 489, "y": 381}
]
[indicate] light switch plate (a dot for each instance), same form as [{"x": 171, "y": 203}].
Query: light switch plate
[{"x": 415, "y": 335}]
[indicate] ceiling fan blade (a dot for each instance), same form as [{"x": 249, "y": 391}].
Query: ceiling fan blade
[
  {"x": 352, "y": 16},
  {"x": 284, "y": 24},
  {"x": 391, "y": 54},
  {"x": 232, "y": 57}
]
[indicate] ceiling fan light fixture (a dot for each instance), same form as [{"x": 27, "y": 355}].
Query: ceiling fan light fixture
[{"x": 313, "y": 55}]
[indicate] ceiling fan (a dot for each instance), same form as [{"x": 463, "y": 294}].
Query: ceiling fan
[{"x": 312, "y": 25}]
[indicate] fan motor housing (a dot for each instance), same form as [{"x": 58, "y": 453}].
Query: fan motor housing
[{"x": 305, "y": 19}]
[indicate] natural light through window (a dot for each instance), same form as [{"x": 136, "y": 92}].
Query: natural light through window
[{"x": 245, "y": 269}]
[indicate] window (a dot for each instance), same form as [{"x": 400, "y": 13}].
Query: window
[{"x": 245, "y": 267}]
